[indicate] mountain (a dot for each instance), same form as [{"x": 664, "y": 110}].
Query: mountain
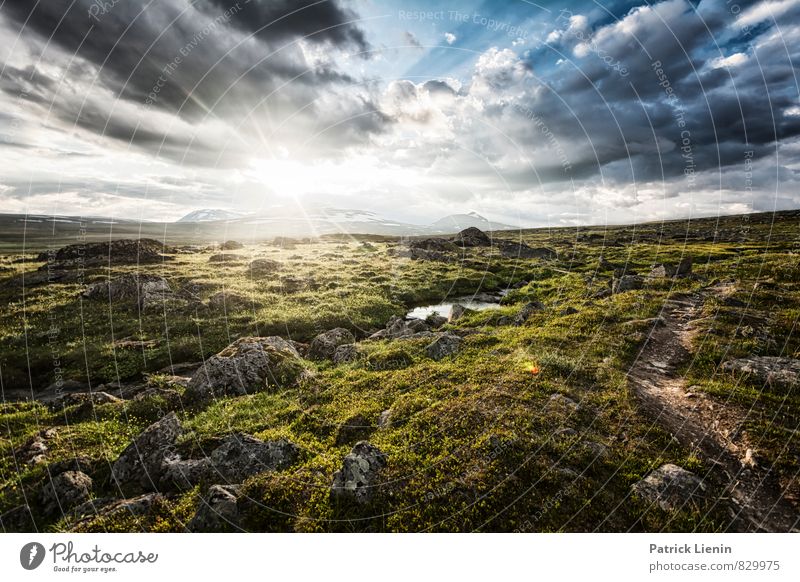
[
  {"x": 209, "y": 215},
  {"x": 458, "y": 222}
]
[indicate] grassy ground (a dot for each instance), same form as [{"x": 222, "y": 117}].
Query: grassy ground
[{"x": 474, "y": 441}]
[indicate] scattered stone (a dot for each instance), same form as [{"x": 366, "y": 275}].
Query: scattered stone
[
  {"x": 457, "y": 311},
  {"x": 604, "y": 265},
  {"x": 527, "y": 310},
  {"x": 346, "y": 354},
  {"x": 83, "y": 398},
  {"x": 147, "y": 291},
  {"x": 355, "y": 428},
  {"x": 566, "y": 432},
  {"x": 241, "y": 456},
  {"x": 357, "y": 480},
  {"x": 684, "y": 268},
  {"x": 246, "y": 366},
  {"x": 397, "y": 327},
  {"x": 671, "y": 487},
  {"x": 447, "y": 344},
  {"x": 111, "y": 509},
  {"x": 435, "y": 321},
  {"x": 218, "y": 510},
  {"x": 139, "y": 466},
  {"x": 515, "y": 250},
  {"x": 324, "y": 345},
  {"x": 626, "y": 283},
  {"x": 660, "y": 271},
  {"x": 231, "y": 245},
  {"x": 65, "y": 491},
  {"x": 472, "y": 237},
  {"x": 117, "y": 252},
  {"x": 263, "y": 267},
  {"x": 224, "y": 301},
  {"x": 35, "y": 449},
  {"x": 784, "y": 372},
  {"x": 569, "y": 311}
]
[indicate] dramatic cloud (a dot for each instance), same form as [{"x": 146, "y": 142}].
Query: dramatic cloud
[{"x": 625, "y": 111}]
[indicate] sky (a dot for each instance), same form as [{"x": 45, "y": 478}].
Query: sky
[{"x": 529, "y": 113}]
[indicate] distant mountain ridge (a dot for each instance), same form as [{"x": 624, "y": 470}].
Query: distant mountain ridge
[{"x": 209, "y": 215}]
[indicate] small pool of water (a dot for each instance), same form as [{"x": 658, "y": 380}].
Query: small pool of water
[{"x": 444, "y": 308}]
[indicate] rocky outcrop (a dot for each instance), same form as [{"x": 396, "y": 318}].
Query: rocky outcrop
[
  {"x": 626, "y": 283},
  {"x": 516, "y": 250},
  {"x": 447, "y": 344},
  {"x": 783, "y": 372},
  {"x": 472, "y": 237},
  {"x": 263, "y": 267},
  {"x": 347, "y": 354},
  {"x": 231, "y": 245},
  {"x": 65, "y": 491},
  {"x": 323, "y": 347},
  {"x": 82, "y": 398},
  {"x": 241, "y": 456},
  {"x": 246, "y": 366},
  {"x": 671, "y": 487},
  {"x": 218, "y": 510},
  {"x": 116, "y": 252},
  {"x": 357, "y": 481},
  {"x": 226, "y": 258},
  {"x": 667, "y": 270},
  {"x": 397, "y": 327},
  {"x": 34, "y": 450},
  {"x": 139, "y": 467},
  {"x": 457, "y": 311}
]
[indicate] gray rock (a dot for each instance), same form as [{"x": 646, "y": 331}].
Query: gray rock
[
  {"x": 522, "y": 251},
  {"x": 34, "y": 450},
  {"x": 218, "y": 510},
  {"x": 149, "y": 292},
  {"x": 784, "y": 372},
  {"x": 324, "y": 345},
  {"x": 116, "y": 252},
  {"x": 447, "y": 344},
  {"x": 626, "y": 283},
  {"x": 226, "y": 300},
  {"x": 660, "y": 271},
  {"x": 435, "y": 321},
  {"x": 457, "y": 311},
  {"x": 246, "y": 366},
  {"x": 357, "y": 480},
  {"x": 527, "y": 310},
  {"x": 91, "y": 398},
  {"x": 264, "y": 267},
  {"x": 684, "y": 268},
  {"x": 231, "y": 245},
  {"x": 472, "y": 237},
  {"x": 346, "y": 354},
  {"x": 241, "y": 456},
  {"x": 112, "y": 508},
  {"x": 139, "y": 466},
  {"x": 183, "y": 474},
  {"x": 671, "y": 487},
  {"x": 65, "y": 491},
  {"x": 397, "y": 327},
  {"x": 385, "y": 419}
]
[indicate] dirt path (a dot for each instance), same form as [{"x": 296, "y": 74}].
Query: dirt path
[{"x": 713, "y": 431}]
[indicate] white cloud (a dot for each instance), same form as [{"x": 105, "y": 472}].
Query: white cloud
[{"x": 450, "y": 38}]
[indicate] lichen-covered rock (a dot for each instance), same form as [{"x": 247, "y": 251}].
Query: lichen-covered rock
[
  {"x": 139, "y": 466},
  {"x": 246, "y": 366},
  {"x": 346, "y": 354},
  {"x": 435, "y": 321},
  {"x": 457, "y": 311},
  {"x": 671, "y": 487},
  {"x": 516, "y": 250},
  {"x": 626, "y": 283},
  {"x": 115, "y": 252},
  {"x": 231, "y": 245},
  {"x": 447, "y": 344},
  {"x": 397, "y": 327},
  {"x": 109, "y": 510},
  {"x": 147, "y": 291},
  {"x": 324, "y": 345},
  {"x": 784, "y": 372},
  {"x": 218, "y": 510},
  {"x": 472, "y": 237},
  {"x": 226, "y": 258},
  {"x": 65, "y": 491},
  {"x": 357, "y": 480},
  {"x": 263, "y": 267},
  {"x": 75, "y": 398},
  {"x": 241, "y": 456}
]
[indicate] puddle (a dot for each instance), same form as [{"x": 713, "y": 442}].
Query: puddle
[{"x": 444, "y": 308}]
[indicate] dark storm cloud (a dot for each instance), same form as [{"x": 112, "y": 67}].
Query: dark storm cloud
[{"x": 273, "y": 20}]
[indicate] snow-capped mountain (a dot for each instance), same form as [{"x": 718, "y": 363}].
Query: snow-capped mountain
[
  {"x": 210, "y": 214},
  {"x": 458, "y": 222}
]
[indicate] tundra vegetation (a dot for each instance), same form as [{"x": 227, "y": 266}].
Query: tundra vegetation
[{"x": 237, "y": 386}]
